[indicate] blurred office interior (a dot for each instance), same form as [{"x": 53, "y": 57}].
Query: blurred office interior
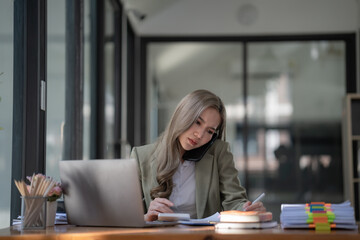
[{"x": 89, "y": 79}]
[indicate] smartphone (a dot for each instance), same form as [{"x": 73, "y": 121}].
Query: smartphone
[{"x": 198, "y": 153}]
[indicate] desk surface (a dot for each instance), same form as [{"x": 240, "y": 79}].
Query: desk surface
[{"x": 64, "y": 232}]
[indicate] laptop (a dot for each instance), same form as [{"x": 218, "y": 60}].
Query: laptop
[{"x": 103, "y": 193}]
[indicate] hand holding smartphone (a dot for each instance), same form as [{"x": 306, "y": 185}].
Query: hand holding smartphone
[{"x": 197, "y": 154}]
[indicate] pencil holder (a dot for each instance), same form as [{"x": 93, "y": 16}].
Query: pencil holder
[{"x": 33, "y": 212}]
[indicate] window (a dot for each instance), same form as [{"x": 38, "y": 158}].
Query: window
[
  {"x": 294, "y": 101},
  {"x": 6, "y": 108},
  {"x": 56, "y": 76},
  {"x": 289, "y": 131},
  {"x": 71, "y": 30},
  {"x": 109, "y": 65}
]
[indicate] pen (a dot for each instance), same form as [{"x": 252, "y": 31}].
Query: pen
[{"x": 258, "y": 198}]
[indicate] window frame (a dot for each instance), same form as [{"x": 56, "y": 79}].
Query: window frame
[
  {"x": 350, "y": 69},
  {"x": 29, "y": 110},
  {"x": 29, "y": 117}
]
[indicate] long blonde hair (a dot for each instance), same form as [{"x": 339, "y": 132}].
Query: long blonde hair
[{"x": 168, "y": 147}]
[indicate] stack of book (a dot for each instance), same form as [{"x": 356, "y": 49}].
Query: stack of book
[
  {"x": 318, "y": 215},
  {"x": 235, "y": 219}
]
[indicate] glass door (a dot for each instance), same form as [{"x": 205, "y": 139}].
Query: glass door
[
  {"x": 291, "y": 125},
  {"x": 295, "y": 95},
  {"x": 176, "y": 69},
  {"x": 56, "y": 76}
]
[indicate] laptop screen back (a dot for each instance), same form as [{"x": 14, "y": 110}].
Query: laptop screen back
[{"x": 102, "y": 192}]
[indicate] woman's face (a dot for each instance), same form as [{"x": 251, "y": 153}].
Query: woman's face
[{"x": 201, "y": 130}]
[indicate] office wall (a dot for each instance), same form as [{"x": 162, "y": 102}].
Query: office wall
[
  {"x": 243, "y": 17},
  {"x": 256, "y": 17},
  {"x": 323, "y": 80}
]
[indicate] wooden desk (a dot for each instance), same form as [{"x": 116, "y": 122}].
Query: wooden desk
[{"x": 181, "y": 232}]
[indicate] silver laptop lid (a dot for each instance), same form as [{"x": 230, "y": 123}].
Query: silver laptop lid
[{"x": 102, "y": 192}]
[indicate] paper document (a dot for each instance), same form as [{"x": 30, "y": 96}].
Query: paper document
[
  {"x": 245, "y": 225},
  {"x": 203, "y": 221},
  {"x": 339, "y": 215}
]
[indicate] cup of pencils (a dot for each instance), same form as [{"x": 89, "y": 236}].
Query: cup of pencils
[
  {"x": 33, "y": 212},
  {"x": 33, "y": 202}
]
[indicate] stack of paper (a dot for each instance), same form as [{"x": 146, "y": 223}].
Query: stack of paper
[
  {"x": 318, "y": 215},
  {"x": 60, "y": 218},
  {"x": 243, "y": 219},
  {"x": 211, "y": 220}
]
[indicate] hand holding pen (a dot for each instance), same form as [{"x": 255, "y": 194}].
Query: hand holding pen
[{"x": 256, "y": 205}]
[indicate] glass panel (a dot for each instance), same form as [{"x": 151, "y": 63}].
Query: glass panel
[
  {"x": 109, "y": 81},
  {"x": 87, "y": 81},
  {"x": 176, "y": 69},
  {"x": 295, "y": 93},
  {"x": 56, "y": 48},
  {"x": 6, "y": 107}
]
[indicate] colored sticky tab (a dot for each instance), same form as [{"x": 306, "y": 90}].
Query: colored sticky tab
[
  {"x": 317, "y": 208},
  {"x": 320, "y": 220},
  {"x": 331, "y": 216},
  {"x": 322, "y": 227},
  {"x": 320, "y": 216},
  {"x": 311, "y": 225},
  {"x": 319, "y": 212},
  {"x": 317, "y": 203}
]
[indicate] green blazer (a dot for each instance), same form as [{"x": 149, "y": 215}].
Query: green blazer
[{"x": 217, "y": 185}]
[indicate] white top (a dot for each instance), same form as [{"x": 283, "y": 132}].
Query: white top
[{"x": 184, "y": 191}]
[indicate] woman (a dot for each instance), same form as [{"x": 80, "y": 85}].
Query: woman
[{"x": 200, "y": 187}]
